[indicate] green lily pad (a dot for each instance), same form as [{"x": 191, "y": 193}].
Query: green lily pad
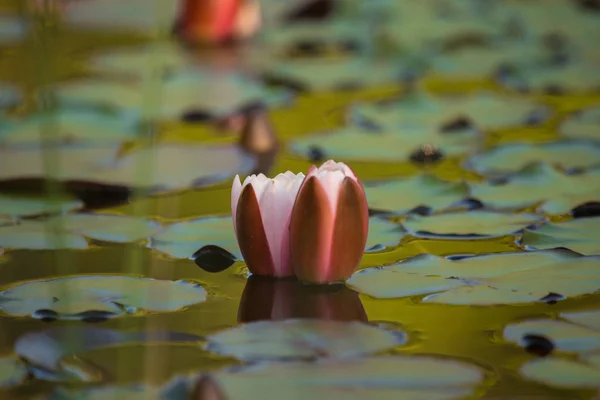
[
  {"x": 69, "y": 126},
  {"x": 12, "y": 29},
  {"x": 583, "y": 125},
  {"x": 35, "y": 235},
  {"x": 574, "y": 77},
  {"x": 332, "y": 74},
  {"x": 9, "y": 95},
  {"x": 222, "y": 94},
  {"x": 12, "y": 372},
  {"x": 382, "y": 234},
  {"x": 19, "y": 206},
  {"x": 580, "y": 235},
  {"x": 577, "y": 332},
  {"x": 108, "y": 295},
  {"x": 131, "y": 16},
  {"x": 505, "y": 278},
  {"x": 484, "y": 111},
  {"x": 514, "y": 157},
  {"x": 475, "y": 223},
  {"x": 303, "y": 339},
  {"x": 183, "y": 239},
  {"x": 555, "y": 192},
  {"x": 417, "y": 377},
  {"x": 404, "y": 195},
  {"x": 175, "y": 166}
]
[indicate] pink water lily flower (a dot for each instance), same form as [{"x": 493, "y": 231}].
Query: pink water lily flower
[
  {"x": 261, "y": 209},
  {"x": 329, "y": 224}
]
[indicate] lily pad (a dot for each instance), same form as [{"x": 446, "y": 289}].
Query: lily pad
[
  {"x": 35, "y": 235},
  {"x": 580, "y": 235},
  {"x": 514, "y": 157},
  {"x": 12, "y": 372},
  {"x": 174, "y": 166},
  {"x": 67, "y": 127},
  {"x": 131, "y": 16},
  {"x": 404, "y": 195},
  {"x": 112, "y": 295},
  {"x": 183, "y": 239},
  {"x": 505, "y": 278},
  {"x": 559, "y": 372},
  {"x": 9, "y": 95},
  {"x": 583, "y": 125},
  {"x": 573, "y": 78},
  {"x": 177, "y": 94},
  {"x": 20, "y": 206},
  {"x": 417, "y": 378},
  {"x": 303, "y": 339},
  {"x": 11, "y": 29},
  {"x": 476, "y": 223},
  {"x": 382, "y": 234},
  {"x": 555, "y": 191}
]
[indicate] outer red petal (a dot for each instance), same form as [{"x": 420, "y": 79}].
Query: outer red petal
[
  {"x": 311, "y": 228},
  {"x": 350, "y": 231},
  {"x": 251, "y": 234}
]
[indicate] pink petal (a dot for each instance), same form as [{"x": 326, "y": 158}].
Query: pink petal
[{"x": 236, "y": 189}]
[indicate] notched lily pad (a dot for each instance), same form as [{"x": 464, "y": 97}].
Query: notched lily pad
[
  {"x": 556, "y": 192},
  {"x": 402, "y": 196},
  {"x": 469, "y": 225},
  {"x": 505, "y": 278},
  {"x": 12, "y": 372},
  {"x": 580, "y": 235},
  {"x": 514, "y": 157},
  {"x": 183, "y": 239},
  {"x": 583, "y": 125},
  {"x": 72, "y": 297},
  {"x": 376, "y": 378},
  {"x": 303, "y": 339}
]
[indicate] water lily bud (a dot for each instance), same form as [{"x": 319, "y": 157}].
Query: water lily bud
[
  {"x": 261, "y": 209},
  {"x": 329, "y": 224}
]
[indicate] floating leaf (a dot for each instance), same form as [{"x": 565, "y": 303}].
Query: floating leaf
[
  {"x": 174, "y": 166},
  {"x": 9, "y": 95},
  {"x": 575, "y": 77},
  {"x": 374, "y": 378},
  {"x": 405, "y": 195},
  {"x": 19, "y": 206},
  {"x": 583, "y": 374},
  {"x": 216, "y": 94},
  {"x": 183, "y": 239},
  {"x": 72, "y": 297},
  {"x": 514, "y": 157},
  {"x": 12, "y": 372},
  {"x": 302, "y": 339},
  {"x": 557, "y": 192},
  {"x": 580, "y": 235},
  {"x": 69, "y": 126},
  {"x": 134, "y": 15},
  {"x": 35, "y": 235},
  {"x": 382, "y": 234},
  {"x": 479, "y": 223},
  {"x": 505, "y": 278},
  {"x": 11, "y": 30},
  {"x": 583, "y": 125}
]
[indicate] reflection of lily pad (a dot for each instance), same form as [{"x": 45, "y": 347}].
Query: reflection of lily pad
[
  {"x": 579, "y": 333},
  {"x": 482, "y": 111},
  {"x": 513, "y": 157},
  {"x": 382, "y": 233},
  {"x": 182, "y": 239},
  {"x": 303, "y": 338},
  {"x": 133, "y": 15},
  {"x": 72, "y": 297},
  {"x": 584, "y": 125},
  {"x": 11, "y": 29},
  {"x": 12, "y": 371},
  {"x": 557, "y": 192},
  {"x": 174, "y": 166},
  {"x": 376, "y": 378},
  {"x": 213, "y": 93},
  {"x": 9, "y": 95},
  {"x": 469, "y": 224},
  {"x": 423, "y": 190},
  {"x": 31, "y": 206},
  {"x": 69, "y": 126},
  {"x": 580, "y": 235},
  {"x": 505, "y": 278}
]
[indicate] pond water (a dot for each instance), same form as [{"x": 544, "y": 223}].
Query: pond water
[{"x": 474, "y": 128}]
